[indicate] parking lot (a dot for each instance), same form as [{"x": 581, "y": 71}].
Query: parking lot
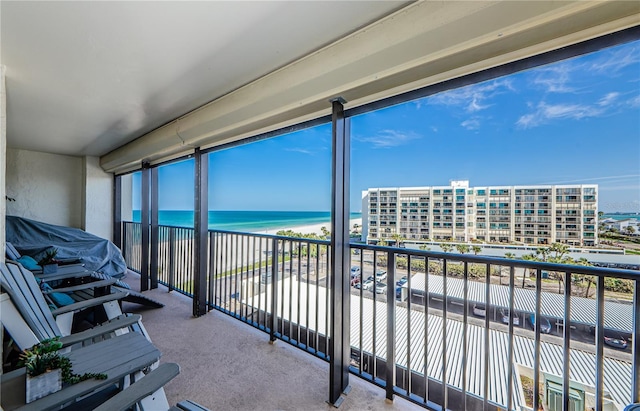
[{"x": 582, "y": 336}]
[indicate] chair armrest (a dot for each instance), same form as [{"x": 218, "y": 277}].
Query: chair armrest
[
  {"x": 102, "y": 329},
  {"x": 144, "y": 387},
  {"x": 89, "y": 303},
  {"x": 80, "y": 287},
  {"x": 62, "y": 275}
]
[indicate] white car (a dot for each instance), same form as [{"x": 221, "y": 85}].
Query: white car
[
  {"x": 504, "y": 316},
  {"x": 368, "y": 285},
  {"x": 479, "y": 310}
]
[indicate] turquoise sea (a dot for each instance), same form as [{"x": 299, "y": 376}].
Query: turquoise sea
[
  {"x": 621, "y": 216},
  {"x": 247, "y": 221}
]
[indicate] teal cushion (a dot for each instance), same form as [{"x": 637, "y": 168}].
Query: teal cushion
[
  {"x": 29, "y": 263},
  {"x": 61, "y": 299}
]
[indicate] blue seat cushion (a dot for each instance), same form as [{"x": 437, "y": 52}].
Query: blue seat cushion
[
  {"x": 61, "y": 299},
  {"x": 29, "y": 263}
]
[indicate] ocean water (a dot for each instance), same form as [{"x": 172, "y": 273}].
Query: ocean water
[
  {"x": 622, "y": 216},
  {"x": 247, "y": 221}
]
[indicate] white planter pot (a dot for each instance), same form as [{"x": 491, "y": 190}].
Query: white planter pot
[{"x": 43, "y": 385}]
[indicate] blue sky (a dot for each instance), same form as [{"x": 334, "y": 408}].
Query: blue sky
[{"x": 572, "y": 122}]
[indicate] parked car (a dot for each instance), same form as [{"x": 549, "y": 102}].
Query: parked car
[
  {"x": 381, "y": 288},
  {"x": 381, "y": 275},
  {"x": 402, "y": 281},
  {"x": 504, "y": 317},
  {"x": 368, "y": 285},
  {"x": 355, "y": 270},
  {"x": 479, "y": 310},
  {"x": 355, "y": 280},
  {"x": 616, "y": 342},
  {"x": 545, "y": 325}
]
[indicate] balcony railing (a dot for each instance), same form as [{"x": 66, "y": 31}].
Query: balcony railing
[{"x": 443, "y": 330}]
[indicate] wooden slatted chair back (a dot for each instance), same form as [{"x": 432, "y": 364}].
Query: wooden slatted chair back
[{"x": 25, "y": 293}]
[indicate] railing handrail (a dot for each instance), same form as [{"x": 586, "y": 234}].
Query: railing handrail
[{"x": 546, "y": 266}]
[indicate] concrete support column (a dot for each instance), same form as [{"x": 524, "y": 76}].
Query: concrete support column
[
  {"x": 3, "y": 159},
  {"x": 97, "y": 198}
]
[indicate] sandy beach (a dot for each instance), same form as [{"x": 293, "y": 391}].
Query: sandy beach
[{"x": 313, "y": 228}]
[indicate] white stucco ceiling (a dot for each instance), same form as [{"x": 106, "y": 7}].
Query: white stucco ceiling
[{"x": 83, "y": 78}]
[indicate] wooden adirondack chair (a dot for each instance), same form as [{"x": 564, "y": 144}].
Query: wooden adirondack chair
[
  {"x": 124, "y": 358},
  {"x": 27, "y": 297}
]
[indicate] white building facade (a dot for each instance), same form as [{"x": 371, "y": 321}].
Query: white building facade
[{"x": 538, "y": 215}]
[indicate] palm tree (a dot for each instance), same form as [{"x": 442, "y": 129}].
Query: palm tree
[
  {"x": 476, "y": 249},
  {"x": 630, "y": 229},
  {"x": 446, "y": 247},
  {"x": 509, "y": 256},
  {"x": 462, "y": 248},
  {"x": 398, "y": 238},
  {"x": 325, "y": 233},
  {"x": 424, "y": 247}
]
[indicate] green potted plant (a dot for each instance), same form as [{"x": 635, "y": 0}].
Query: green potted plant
[
  {"x": 46, "y": 369},
  {"x": 49, "y": 263}
]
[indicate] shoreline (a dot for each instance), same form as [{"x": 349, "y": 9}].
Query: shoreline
[{"x": 308, "y": 228}]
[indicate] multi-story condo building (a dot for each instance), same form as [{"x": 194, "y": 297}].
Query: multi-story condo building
[{"x": 541, "y": 214}]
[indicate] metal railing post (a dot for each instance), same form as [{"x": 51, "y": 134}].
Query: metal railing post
[
  {"x": 144, "y": 227},
  {"x": 155, "y": 238},
  {"x": 391, "y": 326},
  {"x": 339, "y": 310},
  {"x": 274, "y": 290},
  {"x": 201, "y": 217},
  {"x": 635, "y": 367}
]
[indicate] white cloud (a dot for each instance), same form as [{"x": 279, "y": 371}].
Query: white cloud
[
  {"x": 608, "y": 99},
  {"x": 300, "y": 150},
  {"x": 554, "y": 78},
  {"x": 546, "y": 112},
  {"x": 616, "y": 60},
  {"x": 634, "y": 102},
  {"x": 473, "y": 97},
  {"x": 471, "y": 124},
  {"x": 390, "y": 138}
]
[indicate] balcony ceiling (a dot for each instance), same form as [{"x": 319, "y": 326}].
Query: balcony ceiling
[
  {"x": 120, "y": 80},
  {"x": 84, "y": 78}
]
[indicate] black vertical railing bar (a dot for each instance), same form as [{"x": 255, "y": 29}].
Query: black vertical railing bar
[
  {"x": 144, "y": 228},
  {"x": 465, "y": 320},
  {"x": 487, "y": 300},
  {"x": 298, "y": 278},
  {"x": 635, "y": 350},
  {"x": 308, "y": 274},
  {"x": 212, "y": 267},
  {"x": 290, "y": 289},
  {"x": 252, "y": 260},
  {"x": 394, "y": 293},
  {"x": 172, "y": 259},
  {"x": 260, "y": 283},
  {"x": 273, "y": 326},
  {"x": 445, "y": 396},
  {"x": 426, "y": 329},
  {"x": 537, "y": 329},
  {"x": 361, "y": 319},
  {"x": 317, "y": 322},
  {"x": 233, "y": 292},
  {"x": 282, "y": 262},
  {"x": 567, "y": 342},
  {"x": 117, "y": 212},
  {"x": 153, "y": 259},
  {"x": 328, "y": 291},
  {"x": 374, "y": 354},
  {"x": 228, "y": 271},
  {"x": 510, "y": 347},
  {"x": 599, "y": 344},
  {"x": 390, "y": 374}
]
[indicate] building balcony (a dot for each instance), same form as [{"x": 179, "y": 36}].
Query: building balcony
[{"x": 291, "y": 277}]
